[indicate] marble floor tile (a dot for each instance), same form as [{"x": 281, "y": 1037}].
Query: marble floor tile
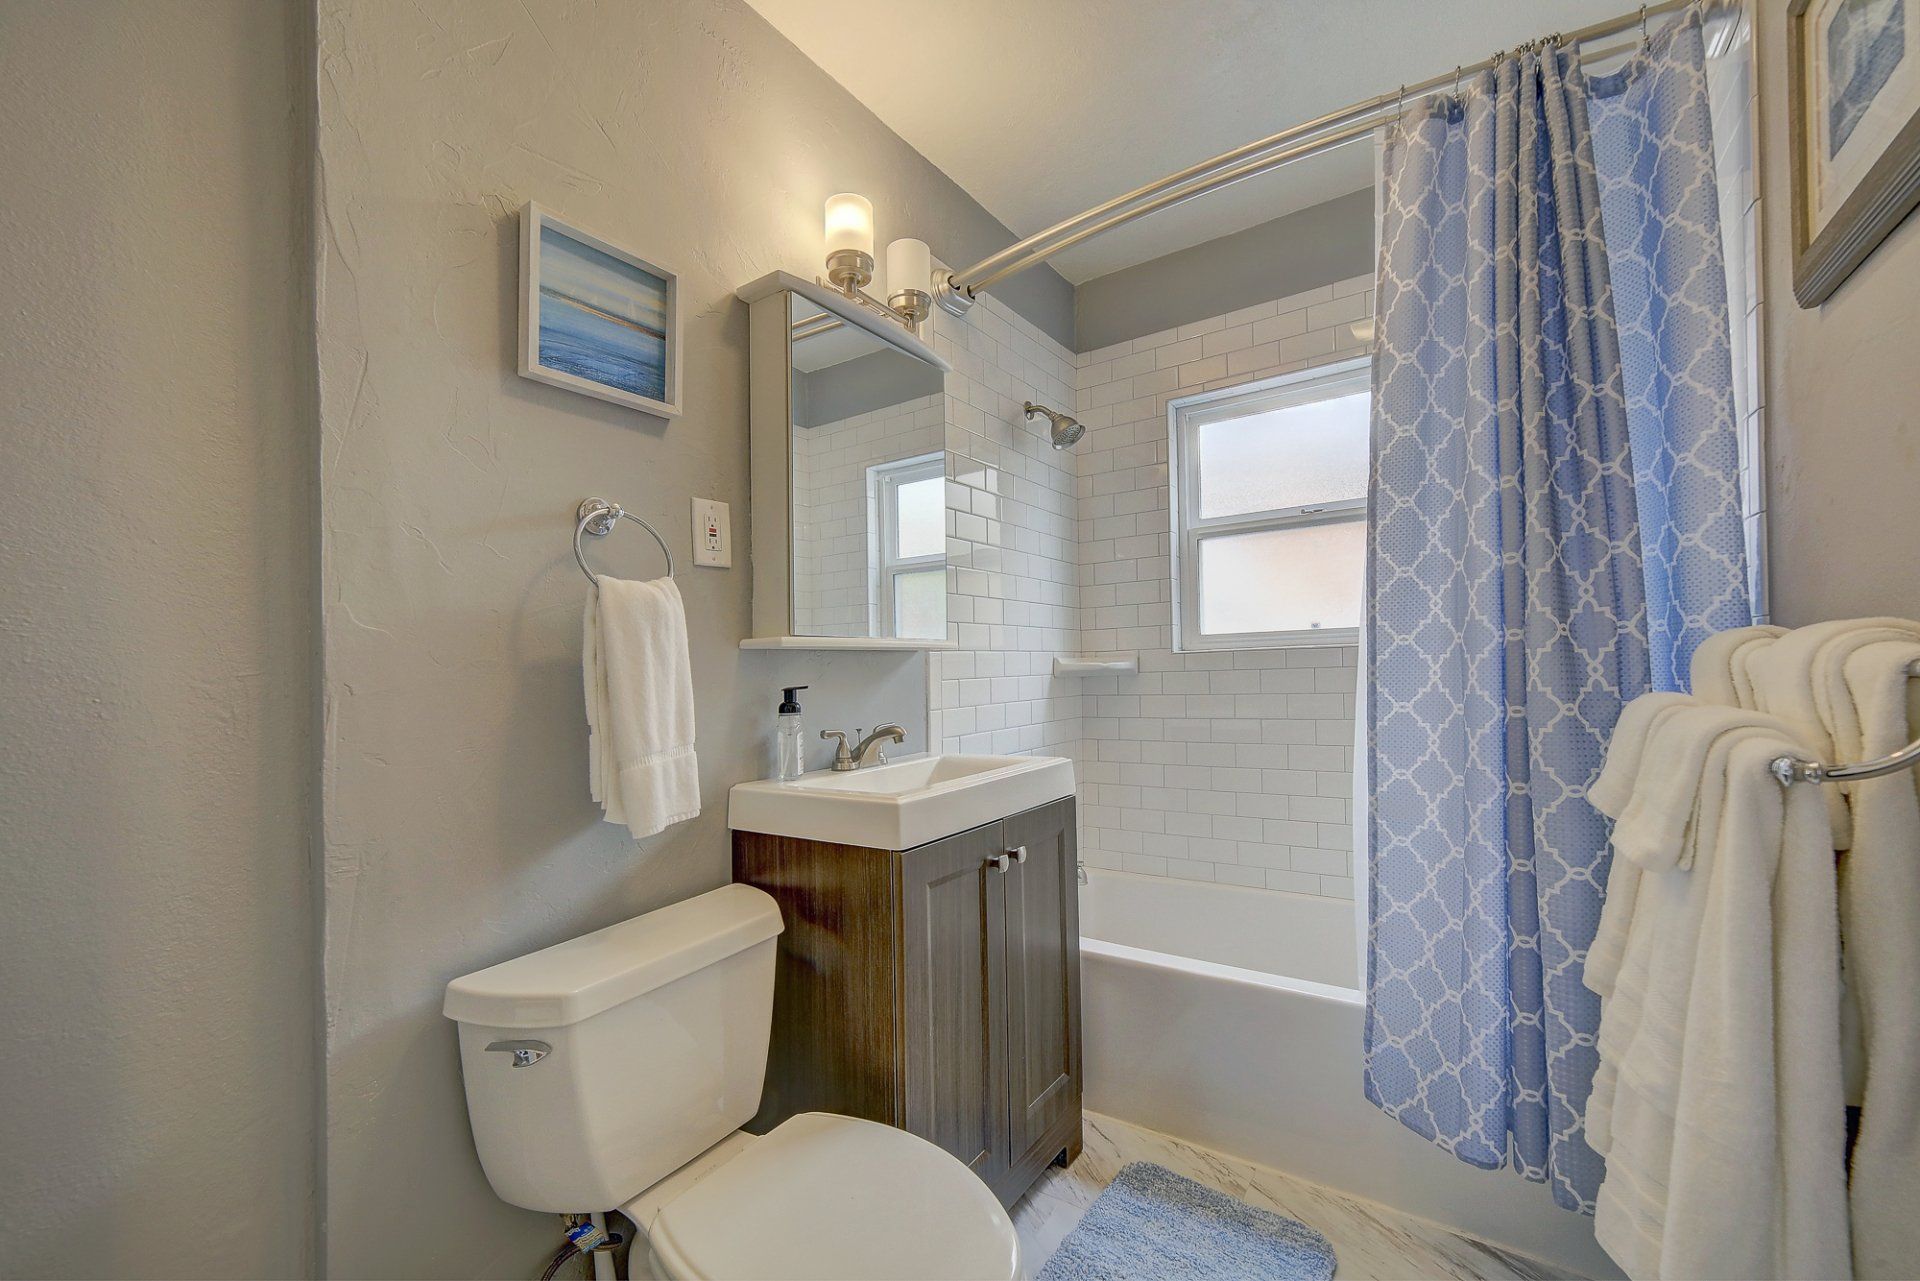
[{"x": 1370, "y": 1241}]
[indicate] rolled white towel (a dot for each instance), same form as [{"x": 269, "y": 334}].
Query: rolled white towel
[
  {"x": 1712, "y": 667},
  {"x": 1785, "y": 673}
]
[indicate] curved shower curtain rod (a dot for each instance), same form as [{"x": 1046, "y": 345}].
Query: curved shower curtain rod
[{"x": 957, "y": 290}]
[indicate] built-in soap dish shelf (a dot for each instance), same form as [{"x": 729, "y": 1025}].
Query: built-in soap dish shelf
[{"x": 1121, "y": 665}]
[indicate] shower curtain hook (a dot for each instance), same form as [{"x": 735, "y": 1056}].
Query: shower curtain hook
[
  {"x": 1456, "y": 81},
  {"x": 1646, "y": 41}
]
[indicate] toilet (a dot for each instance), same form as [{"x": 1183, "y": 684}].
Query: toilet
[{"x": 613, "y": 1071}]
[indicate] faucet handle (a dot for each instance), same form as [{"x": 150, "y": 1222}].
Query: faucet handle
[{"x": 842, "y": 758}]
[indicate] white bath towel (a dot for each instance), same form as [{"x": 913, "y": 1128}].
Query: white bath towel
[
  {"x": 639, "y": 687},
  {"x": 1725, "y": 1130},
  {"x": 1631, "y": 960},
  {"x": 1880, "y": 915},
  {"x": 1712, "y": 667}
]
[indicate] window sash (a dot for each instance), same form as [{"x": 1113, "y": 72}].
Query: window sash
[{"x": 1184, "y": 418}]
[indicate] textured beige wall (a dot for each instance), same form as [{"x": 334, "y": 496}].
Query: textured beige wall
[
  {"x": 1843, "y": 403},
  {"x": 157, "y": 968},
  {"x": 458, "y": 828}
]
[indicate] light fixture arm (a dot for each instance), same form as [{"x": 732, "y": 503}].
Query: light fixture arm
[{"x": 860, "y": 297}]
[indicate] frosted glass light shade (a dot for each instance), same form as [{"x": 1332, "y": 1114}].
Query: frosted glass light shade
[
  {"x": 909, "y": 266},
  {"x": 849, "y": 224}
]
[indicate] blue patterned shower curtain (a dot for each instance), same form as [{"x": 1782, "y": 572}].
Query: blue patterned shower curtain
[{"x": 1554, "y": 526}]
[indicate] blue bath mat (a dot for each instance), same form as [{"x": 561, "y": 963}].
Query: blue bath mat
[{"x": 1152, "y": 1225}]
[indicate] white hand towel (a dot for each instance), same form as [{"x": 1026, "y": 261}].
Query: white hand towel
[
  {"x": 1613, "y": 788},
  {"x": 1712, "y": 667},
  {"x": 1880, "y": 927},
  {"x": 1609, "y": 793},
  {"x": 1653, "y": 828},
  {"x": 639, "y": 687}
]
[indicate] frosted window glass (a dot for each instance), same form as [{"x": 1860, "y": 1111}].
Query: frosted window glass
[
  {"x": 920, "y": 604},
  {"x": 1283, "y": 580},
  {"x": 922, "y": 511},
  {"x": 1300, "y": 456}
]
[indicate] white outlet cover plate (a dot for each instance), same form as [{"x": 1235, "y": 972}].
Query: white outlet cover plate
[{"x": 712, "y": 533}]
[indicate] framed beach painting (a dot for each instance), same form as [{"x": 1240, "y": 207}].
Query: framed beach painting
[
  {"x": 596, "y": 317},
  {"x": 1854, "y": 106}
]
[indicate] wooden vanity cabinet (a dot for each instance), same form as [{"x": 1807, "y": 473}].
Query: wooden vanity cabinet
[{"x": 936, "y": 988}]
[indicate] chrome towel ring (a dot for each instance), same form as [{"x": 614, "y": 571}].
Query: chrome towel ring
[{"x": 597, "y": 517}]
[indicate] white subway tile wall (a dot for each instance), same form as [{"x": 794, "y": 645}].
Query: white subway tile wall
[
  {"x": 1012, "y": 585},
  {"x": 833, "y": 579},
  {"x": 1221, "y": 766}
]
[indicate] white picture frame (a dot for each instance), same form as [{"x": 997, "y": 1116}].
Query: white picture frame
[{"x": 597, "y": 318}]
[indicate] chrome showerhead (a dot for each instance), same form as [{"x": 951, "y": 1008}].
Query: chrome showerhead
[{"x": 1067, "y": 430}]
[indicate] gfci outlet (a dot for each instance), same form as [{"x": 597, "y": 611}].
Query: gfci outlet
[{"x": 712, "y": 533}]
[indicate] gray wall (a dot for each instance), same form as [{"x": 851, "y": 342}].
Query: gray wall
[
  {"x": 1843, "y": 403},
  {"x": 862, "y": 385},
  {"x": 458, "y": 831},
  {"x": 157, "y": 1109},
  {"x": 1315, "y": 246}
]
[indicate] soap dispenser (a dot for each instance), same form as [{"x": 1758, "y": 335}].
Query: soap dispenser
[{"x": 789, "y": 750}]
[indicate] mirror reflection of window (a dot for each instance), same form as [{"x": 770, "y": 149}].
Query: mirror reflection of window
[
  {"x": 909, "y": 565},
  {"x": 864, "y": 413}
]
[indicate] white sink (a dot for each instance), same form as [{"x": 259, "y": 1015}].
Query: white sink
[{"x": 901, "y": 805}]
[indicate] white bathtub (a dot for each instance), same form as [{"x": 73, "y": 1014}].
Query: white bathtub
[{"x": 1231, "y": 1017}]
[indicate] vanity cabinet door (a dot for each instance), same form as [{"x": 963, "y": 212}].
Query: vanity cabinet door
[
  {"x": 1043, "y": 988},
  {"x": 953, "y": 1018}
]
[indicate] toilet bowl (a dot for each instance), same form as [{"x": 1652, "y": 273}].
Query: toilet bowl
[
  {"x": 823, "y": 1198},
  {"x": 613, "y": 1071}
]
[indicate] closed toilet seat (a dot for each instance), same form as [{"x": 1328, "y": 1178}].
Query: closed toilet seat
[{"x": 832, "y": 1198}]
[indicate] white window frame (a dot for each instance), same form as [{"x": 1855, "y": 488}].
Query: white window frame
[
  {"x": 883, "y": 531},
  {"x": 1185, "y": 416}
]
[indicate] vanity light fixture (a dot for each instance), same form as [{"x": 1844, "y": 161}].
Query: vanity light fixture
[
  {"x": 849, "y": 236},
  {"x": 849, "y": 241},
  {"x": 909, "y": 272}
]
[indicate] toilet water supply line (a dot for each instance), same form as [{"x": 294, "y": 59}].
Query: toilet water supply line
[
  {"x": 585, "y": 1234},
  {"x": 603, "y": 1253}
]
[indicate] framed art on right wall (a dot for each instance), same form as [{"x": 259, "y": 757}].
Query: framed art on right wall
[{"x": 1854, "y": 111}]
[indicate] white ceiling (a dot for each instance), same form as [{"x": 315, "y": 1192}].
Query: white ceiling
[{"x": 1043, "y": 108}]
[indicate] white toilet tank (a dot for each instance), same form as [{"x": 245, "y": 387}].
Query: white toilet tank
[{"x": 656, "y": 1033}]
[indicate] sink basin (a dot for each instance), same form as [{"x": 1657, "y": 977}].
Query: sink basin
[{"x": 903, "y": 804}]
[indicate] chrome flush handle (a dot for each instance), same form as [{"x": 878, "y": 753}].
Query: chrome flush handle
[{"x": 525, "y": 1053}]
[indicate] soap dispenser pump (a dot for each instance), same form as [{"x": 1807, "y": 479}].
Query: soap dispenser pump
[{"x": 789, "y": 739}]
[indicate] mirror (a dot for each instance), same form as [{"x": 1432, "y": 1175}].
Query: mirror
[
  {"x": 848, "y": 460},
  {"x": 868, "y": 483}
]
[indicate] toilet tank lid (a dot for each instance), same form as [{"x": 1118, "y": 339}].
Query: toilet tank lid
[{"x": 579, "y": 978}]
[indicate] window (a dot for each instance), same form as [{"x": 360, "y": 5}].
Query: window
[
  {"x": 1269, "y": 510},
  {"x": 908, "y": 499}
]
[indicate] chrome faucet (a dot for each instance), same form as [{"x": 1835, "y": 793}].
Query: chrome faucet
[{"x": 851, "y": 758}]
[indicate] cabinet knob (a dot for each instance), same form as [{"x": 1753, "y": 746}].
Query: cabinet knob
[
  {"x": 1001, "y": 862},
  {"x": 1019, "y": 853}
]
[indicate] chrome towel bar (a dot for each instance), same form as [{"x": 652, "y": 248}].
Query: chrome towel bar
[
  {"x": 1791, "y": 769},
  {"x": 597, "y": 517}
]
